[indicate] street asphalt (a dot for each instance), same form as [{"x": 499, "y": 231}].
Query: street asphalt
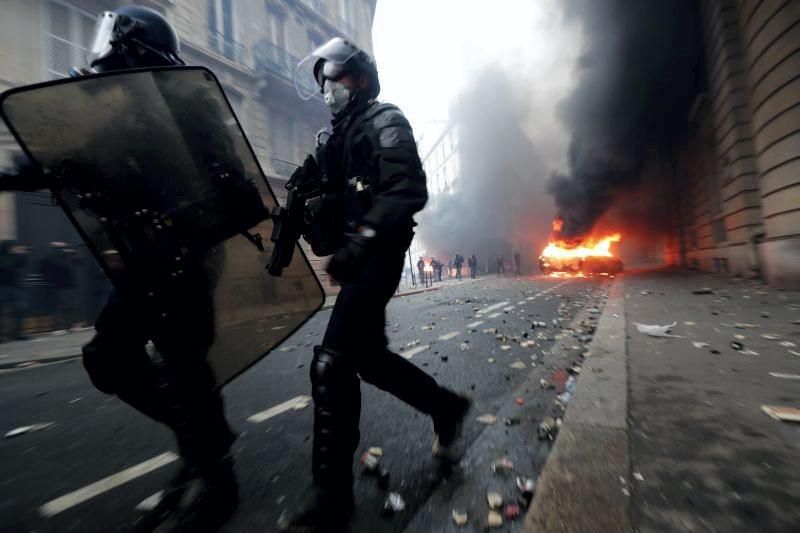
[{"x": 99, "y": 458}]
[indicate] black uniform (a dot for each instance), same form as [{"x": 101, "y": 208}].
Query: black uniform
[{"x": 372, "y": 157}]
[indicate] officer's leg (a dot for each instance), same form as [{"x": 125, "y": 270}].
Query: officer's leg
[
  {"x": 357, "y": 328},
  {"x": 337, "y": 409},
  {"x": 117, "y": 362},
  {"x": 206, "y": 488}
]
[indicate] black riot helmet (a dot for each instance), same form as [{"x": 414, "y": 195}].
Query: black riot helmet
[
  {"x": 331, "y": 61},
  {"x": 133, "y": 37}
]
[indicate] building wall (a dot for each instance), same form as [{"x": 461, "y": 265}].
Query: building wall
[
  {"x": 251, "y": 45},
  {"x": 742, "y": 213},
  {"x": 771, "y": 37}
]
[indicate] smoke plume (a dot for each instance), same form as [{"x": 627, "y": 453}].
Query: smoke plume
[
  {"x": 638, "y": 75},
  {"x": 500, "y": 191}
]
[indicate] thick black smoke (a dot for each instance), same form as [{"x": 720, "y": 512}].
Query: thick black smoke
[
  {"x": 500, "y": 182},
  {"x": 638, "y": 76}
]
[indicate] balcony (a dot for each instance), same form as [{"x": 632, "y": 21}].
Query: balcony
[
  {"x": 229, "y": 48},
  {"x": 274, "y": 60}
]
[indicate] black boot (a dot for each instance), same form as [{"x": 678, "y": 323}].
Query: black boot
[
  {"x": 448, "y": 425},
  {"x": 329, "y": 511},
  {"x": 201, "y": 500}
]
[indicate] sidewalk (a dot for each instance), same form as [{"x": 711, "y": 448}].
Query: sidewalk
[
  {"x": 48, "y": 348},
  {"x": 668, "y": 434}
]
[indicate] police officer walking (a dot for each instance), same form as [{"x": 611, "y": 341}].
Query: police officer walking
[
  {"x": 180, "y": 391},
  {"x": 370, "y": 165}
]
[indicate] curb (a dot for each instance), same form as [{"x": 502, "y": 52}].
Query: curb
[
  {"x": 585, "y": 483},
  {"x": 19, "y": 365}
]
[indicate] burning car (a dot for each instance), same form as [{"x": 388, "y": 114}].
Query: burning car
[{"x": 584, "y": 256}]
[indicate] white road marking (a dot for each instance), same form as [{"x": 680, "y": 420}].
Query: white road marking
[
  {"x": 495, "y": 315},
  {"x": 780, "y": 375},
  {"x": 62, "y": 503},
  {"x": 492, "y": 308},
  {"x": 408, "y": 354},
  {"x": 296, "y": 403},
  {"x": 475, "y": 324},
  {"x": 449, "y": 336}
]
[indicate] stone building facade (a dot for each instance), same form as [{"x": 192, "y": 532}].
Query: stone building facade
[
  {"x": 251, "y": 45},
  {"x": 740, "y": 210}
]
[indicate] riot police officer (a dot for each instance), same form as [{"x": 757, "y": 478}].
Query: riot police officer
[
  {"x": 179, "y": 390},
  {"x": 372, "y": 184}
]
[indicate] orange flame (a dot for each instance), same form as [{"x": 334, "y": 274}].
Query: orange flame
[
  {"x": 557, "y": 225},
  {"x": 588, "y": 248}
]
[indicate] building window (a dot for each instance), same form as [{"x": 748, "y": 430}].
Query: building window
[
  {"x": 278, "y": 23},
  {"x": 222, "y": 29},
  {"x": 67, "y": 34}
]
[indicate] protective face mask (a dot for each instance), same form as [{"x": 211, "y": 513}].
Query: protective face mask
[{"x": 336, "y": 96}]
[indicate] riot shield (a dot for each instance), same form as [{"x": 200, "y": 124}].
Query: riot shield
[{"x": 155, "y": 172}]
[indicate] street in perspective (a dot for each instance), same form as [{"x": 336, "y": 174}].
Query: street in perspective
[{"x": 420, "y": 266}]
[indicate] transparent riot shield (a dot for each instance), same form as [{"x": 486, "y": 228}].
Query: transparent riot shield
[{"x": 158, "y": 177}]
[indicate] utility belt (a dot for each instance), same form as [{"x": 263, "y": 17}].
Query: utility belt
[{"x": 329, "y": 217}]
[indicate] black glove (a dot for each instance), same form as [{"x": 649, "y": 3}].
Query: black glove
[{"x": 348, "y": 263}]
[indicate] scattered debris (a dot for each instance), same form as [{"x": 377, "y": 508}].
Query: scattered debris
[
  {"x": 394, "y": 503},
  {"x": 512, "y": 511},
  {"x": 697, "y": 344},
  {"x": 494, "y": 499},
  {"x": 503, "y": 466},
  {"x": 638, "y": 477},
  {"x": 490, "y": 330},
  {"x": 771, "y": 336},
  {"x": 787, "y": 344},
  {"x": 28, "y": 429},
  {"x": 645, "y": 292},
  {"x": 512, "y": 421},
  {"x": 782, "y": 413},
  {"x": 547, "y": 428},
  {"x": 520, "y": 401},
  {"x": 744, "y": 325},
  {"x": 464, "y": 346},
  {"x": 703, "y": 290},
  {"x": 370, "y": 462},
  {"x": 526, "y": 486},
  {"x": 412, "y": 343},
  {"x": 655, "y": 330},
  {"x": 715, "y": 352},
  {"x": 689, "y": 324},
  {"x": 518, "y": 365},
  {"x": 737, "y": 345},
  {"x": 537, "y": 324},
  {"x": 569, "y": 391},
  {"x": 460, "y": 518},
  {"x": 377, "y": 451},
  {"x": 505, "y": 347},
  {"x": 487, "y": 419},
  {"x": 764, "y": 314},
  {"x": 494, "y": 519},
  {"x": 491, "y": 359}
]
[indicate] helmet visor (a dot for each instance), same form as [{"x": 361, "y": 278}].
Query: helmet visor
[
  {"x": 101, "y": 44},
  {"x": 336, "y": 53}
]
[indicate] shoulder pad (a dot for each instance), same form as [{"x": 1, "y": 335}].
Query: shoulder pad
[
  {"x": 382, "y": 115},
  {"x": 388, "y": 126}
]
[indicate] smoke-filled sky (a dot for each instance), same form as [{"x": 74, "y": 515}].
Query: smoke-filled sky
[
  {"x": 430, "y": 51},
  {"x": 562, "y": 105}
]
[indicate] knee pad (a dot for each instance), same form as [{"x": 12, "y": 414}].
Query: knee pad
[
  {"x": 329, "y": 369},
  {"x": 99, "y": 364}
]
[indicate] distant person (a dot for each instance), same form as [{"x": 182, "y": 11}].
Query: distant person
[
  {"x": 517, "y": 264},
  {"x": 458, "y": 261},
  {"x": 58, "y": 272},
  {"x": 501, "y": 265},
  {"x": 474, "y": 270},
  {"x": 421, "y": 270},
  {"x": 13, "y": 260},
  {"x": 450, "y": 269}
]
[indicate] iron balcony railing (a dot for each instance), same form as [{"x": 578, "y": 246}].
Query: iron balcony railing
[
  {"x": 226, "y": 46},
  {"x": 274, "y": 59}
]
